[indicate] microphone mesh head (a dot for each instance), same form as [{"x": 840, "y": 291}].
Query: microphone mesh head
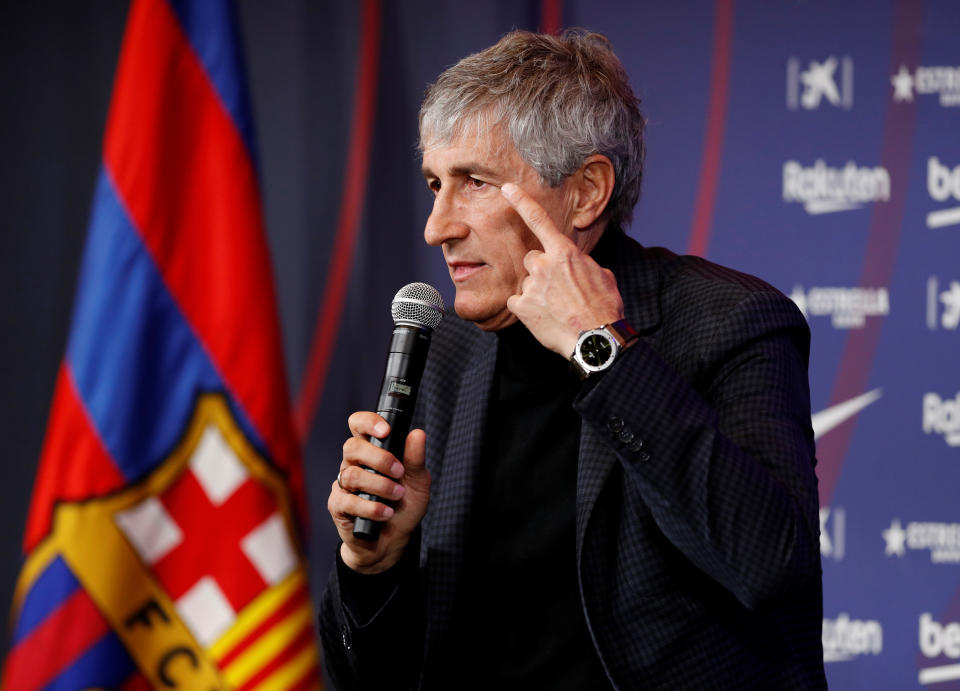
[{"x": 417, "y": 304}]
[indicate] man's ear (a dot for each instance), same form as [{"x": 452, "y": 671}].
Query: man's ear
[{"x": 594, "y": 184}]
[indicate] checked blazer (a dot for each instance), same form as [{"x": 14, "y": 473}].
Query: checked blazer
[{"x": 697, "y": 510}]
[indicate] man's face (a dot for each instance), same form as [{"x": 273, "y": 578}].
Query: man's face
[{"x": 484, "y": 240}]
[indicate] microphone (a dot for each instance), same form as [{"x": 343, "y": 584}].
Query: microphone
[{"x": 417, "y": 309}]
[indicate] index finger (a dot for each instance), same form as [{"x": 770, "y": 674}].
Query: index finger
[
  {"x": 365, "y": 423},
  {"x": 536, "y": 218}
]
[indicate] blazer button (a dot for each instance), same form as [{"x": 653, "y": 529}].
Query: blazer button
[
  {"x": 615, "y": 424},
  {"x": 626, "y": 436},
  {"x": 644, "y": 456},
  {"x": 636, "y": 445}
]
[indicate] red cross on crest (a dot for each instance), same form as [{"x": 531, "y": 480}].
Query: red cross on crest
[{"x": 211, "y": 574}]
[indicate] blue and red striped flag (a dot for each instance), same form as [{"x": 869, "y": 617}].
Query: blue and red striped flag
[{"x": 162, "y": 547}]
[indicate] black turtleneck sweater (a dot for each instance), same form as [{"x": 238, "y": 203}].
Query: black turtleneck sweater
[{"x": 521, "y": 623}]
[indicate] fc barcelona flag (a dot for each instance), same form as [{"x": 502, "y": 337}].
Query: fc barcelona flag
[{"x": 162, "y": 542}]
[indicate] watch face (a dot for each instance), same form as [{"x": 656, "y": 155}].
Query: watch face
[{"x": 595, "y": 350}]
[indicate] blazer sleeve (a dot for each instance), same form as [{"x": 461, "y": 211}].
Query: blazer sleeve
[
  {"x": 723, "y": 456},
  {"x": 371, "y": 627}
]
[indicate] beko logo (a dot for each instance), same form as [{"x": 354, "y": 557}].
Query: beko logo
[
  {"x": 823, "y": 189},
  {"x": 943, "y": 184},
  {"x": 938, "y": 639}
]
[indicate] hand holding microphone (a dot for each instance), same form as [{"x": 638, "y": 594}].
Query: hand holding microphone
[
  {"x": 370, "y": 473},
  {"x": 417, "y": 310}
]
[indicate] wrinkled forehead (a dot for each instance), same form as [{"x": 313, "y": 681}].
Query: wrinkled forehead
[{"x": 480, "y": 130}]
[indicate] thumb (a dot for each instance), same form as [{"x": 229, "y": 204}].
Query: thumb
[{"x": 414, "y": 454}]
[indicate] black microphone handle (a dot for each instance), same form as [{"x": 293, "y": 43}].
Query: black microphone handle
[{"x": 398, "y": 397}]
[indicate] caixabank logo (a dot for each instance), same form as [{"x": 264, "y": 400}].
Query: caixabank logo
[
  {"x": 194, "y": 608},
  {"x": 943, "y": 304},
  {"x": 827, "y": 81},
  {"x": 833, "y": 532}
]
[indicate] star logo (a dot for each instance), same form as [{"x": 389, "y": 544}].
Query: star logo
[
  {"x": 818, "y": 82},
  {"x": 902, "y": 85},
  {"x": 896, "y": 538}
]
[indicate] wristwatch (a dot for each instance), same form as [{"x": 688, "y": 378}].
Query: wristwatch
[{"x": 597, "y": 349}]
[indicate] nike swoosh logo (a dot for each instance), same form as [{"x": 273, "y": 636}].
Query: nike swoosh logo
[{"x": 836, "y": 415}]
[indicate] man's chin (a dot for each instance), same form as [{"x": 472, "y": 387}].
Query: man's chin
[{"x": 485, "y": 316}]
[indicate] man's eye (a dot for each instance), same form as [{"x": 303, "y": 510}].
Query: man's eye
[
  {"x": 434, "y": 185},
  {"x": 476, "y": 184}
]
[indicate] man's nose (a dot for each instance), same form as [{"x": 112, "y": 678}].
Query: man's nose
[{"x": 444, "y": 222}]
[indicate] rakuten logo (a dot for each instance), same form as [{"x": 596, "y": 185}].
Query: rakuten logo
[
  {"x": 943, "y": 184},
  {"x": 845, "y": 638},
  {"x": 942, "y": 417},
  {"x": 824, "y": 189},
  {"x": 938, "y": 639}
]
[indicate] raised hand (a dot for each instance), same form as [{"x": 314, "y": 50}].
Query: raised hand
[{"x": 565, "y": 291}]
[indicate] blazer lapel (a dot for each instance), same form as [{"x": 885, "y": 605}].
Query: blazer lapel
[{"x": 448, "y": 521}]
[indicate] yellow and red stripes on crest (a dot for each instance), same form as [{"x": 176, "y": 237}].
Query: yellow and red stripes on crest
[{"x": 271, "y": 645}]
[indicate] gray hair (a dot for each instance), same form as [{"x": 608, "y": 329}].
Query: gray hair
[{"x": 560, "y": 98}]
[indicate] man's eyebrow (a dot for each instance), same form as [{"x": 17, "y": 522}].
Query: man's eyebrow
[
  {"x": 475, "y": 168},
  {"x": 466, "y": 170}
]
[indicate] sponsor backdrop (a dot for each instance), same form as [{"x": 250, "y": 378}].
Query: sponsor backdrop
[{"x": 812, "y": 143}]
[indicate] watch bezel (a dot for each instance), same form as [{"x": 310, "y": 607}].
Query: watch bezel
[{"x": 614, "y": 350}]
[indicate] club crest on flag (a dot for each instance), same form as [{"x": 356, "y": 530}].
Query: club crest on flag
[{"x": 195, "y": 568}]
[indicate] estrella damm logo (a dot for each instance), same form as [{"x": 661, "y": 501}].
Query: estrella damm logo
[{"x": 196, "y": 568}]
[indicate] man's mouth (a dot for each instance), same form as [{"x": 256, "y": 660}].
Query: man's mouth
[{"x": 461, "y": 271}]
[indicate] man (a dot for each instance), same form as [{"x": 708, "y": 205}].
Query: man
[{"x": 651, "y": 523}]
